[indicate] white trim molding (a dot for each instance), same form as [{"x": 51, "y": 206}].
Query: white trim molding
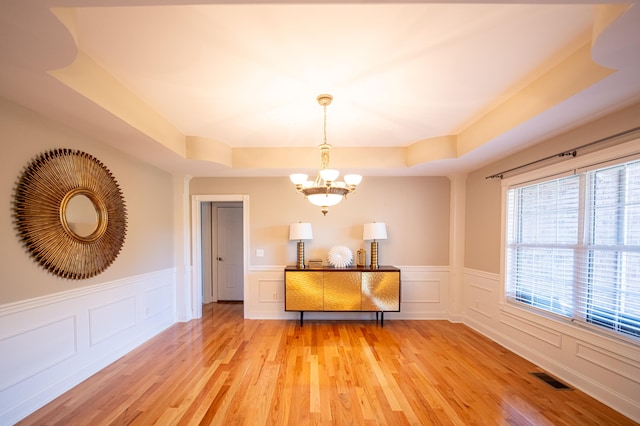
[
  {"x": 604, "y": 367},
  {"x": 195, "y": 292},
  {"x": 50, "y": 344}
]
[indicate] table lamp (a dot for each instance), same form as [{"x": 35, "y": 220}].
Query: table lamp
[
  {"x": 300, "y": 231},
  {"x": 374, "y": 231}
]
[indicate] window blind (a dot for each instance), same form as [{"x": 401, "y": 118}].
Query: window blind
[
  {"x": 573, "y": 247},
  {"x": 611, "y": 271}
]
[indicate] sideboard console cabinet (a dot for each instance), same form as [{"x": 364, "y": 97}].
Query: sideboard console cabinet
[{"x": 354, "y": 289}]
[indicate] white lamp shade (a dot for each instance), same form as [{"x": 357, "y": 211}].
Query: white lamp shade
[
  {"x": 374, "y": 231},
  {"x": 300, "y": 231},
  {"x": 352, "y": 179},
  {"x": 298, "y": 178},
  {"x": 329, "y": 175},
  {"x": 325, "y": 200}
]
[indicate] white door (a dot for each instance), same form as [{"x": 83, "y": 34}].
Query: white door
[{"x": 229, "y": 231}]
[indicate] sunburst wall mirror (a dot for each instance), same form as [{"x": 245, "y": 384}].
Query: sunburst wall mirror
[{"x": 70, "y": 213}]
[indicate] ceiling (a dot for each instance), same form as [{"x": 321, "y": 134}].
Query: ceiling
[{"x": 229, "y": 89}]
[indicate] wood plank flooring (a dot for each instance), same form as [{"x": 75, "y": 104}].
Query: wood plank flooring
[{"x": 224, "y": 370}]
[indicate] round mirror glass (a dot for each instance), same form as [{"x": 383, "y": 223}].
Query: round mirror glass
[{"x": 81, "y": 215}]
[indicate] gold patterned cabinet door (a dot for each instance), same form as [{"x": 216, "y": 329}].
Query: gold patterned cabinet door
[
  {"x": 303, "y": 291},
  {"x": 381, "y": 291},
  {"x": 342, "y": 291}
]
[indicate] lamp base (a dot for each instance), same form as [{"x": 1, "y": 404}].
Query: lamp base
[
  {"x": 374, "y": 255},
  {"x": 300, "y": 260}
]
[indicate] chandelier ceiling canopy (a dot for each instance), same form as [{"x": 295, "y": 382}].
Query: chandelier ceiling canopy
[{"x": 325, "y": 191}]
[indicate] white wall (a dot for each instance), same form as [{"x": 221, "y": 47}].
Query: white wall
[
  {"x": 415, "y": 210},
  {"x": 54, "y": 333},
  {"x": 147, "y": 191}
]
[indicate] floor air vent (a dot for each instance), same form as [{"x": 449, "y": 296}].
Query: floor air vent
[{"x": 550, "y": 380}]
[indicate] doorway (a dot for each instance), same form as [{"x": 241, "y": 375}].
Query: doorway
[
  {"x": 196, "y": 295},
  {"x": 222, "y": 252}
]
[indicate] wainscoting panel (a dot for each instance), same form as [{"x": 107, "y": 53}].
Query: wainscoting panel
[
  {"x": 52, "y": 343},
  {"x": 30, "y": 352},
  {"x": 111, "y": 319},
  {"x": 616, "y": 363},
  {"x": 541, "y": 333},
  {"x": 424, "y": 295},
  {"x": 481, "y": 293},
  {"x": 271, "y": 291},
  {"x": 158, "y": 300},
  {"x": 604, "y": 367},
  {"x": 264, "y": 281},
  {"x": 418, "y": 291}
]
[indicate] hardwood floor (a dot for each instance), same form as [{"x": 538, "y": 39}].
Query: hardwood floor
[{"x": 225, "y": 370}]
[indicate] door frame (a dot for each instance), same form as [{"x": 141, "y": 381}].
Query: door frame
[{"x": 196, "y": 247}]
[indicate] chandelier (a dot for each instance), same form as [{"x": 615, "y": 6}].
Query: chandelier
[{"x": 325, "y": 191}]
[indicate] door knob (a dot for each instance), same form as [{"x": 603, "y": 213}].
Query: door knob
[{"x": 220, "y": 259}]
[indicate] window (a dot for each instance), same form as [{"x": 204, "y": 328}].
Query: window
[{"x": 573, "y": 246}]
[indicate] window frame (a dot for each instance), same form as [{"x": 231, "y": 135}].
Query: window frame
[{"x": 624, "y": 152}]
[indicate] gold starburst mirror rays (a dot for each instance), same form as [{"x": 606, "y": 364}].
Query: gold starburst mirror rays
[{"x": 70, "y": 213}]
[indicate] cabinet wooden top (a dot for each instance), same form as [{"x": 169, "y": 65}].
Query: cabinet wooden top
[{"x": 327, "y": 268}]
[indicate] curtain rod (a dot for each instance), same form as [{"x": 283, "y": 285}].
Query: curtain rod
[{"x": 568, "y": 153}]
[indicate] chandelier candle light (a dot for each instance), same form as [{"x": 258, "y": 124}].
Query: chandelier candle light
[
  {"x": 325, "y": 191},
  {"x": 300, "y": 231},
  {"x": 374, "y": 231}
]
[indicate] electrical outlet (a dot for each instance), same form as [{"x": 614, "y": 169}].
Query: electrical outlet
[
  {"x": 259, "y": 253},
  {"x": 274, "y": 296}
]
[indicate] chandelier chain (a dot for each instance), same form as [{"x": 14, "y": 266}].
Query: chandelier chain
[{"x": 325, "y": 124}]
